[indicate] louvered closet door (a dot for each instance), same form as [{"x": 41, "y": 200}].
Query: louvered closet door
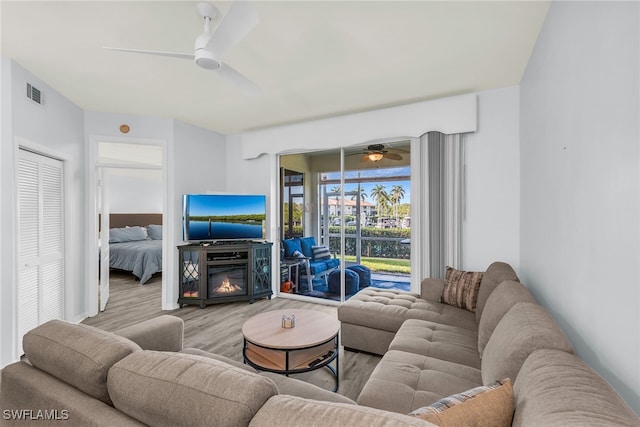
[{"x": 40, "y": 241}]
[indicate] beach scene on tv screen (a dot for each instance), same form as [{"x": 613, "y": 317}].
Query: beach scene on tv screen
[{"x": 217, "y": 216}]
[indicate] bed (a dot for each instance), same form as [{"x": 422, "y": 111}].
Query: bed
[{"x": 135, "y": 244}]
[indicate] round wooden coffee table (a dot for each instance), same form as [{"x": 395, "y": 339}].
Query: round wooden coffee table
[{"x": 312, "y": 344}]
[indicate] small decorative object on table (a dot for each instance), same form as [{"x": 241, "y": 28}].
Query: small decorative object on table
[{"x": 288, "y": 322}]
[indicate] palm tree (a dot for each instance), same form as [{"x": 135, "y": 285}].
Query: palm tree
[
  {"x": 336, "y": 190},
  {"x": 397, "y": 194},
  {"x": 380, "y": 196},
  {"x": 363, "y": 194}
]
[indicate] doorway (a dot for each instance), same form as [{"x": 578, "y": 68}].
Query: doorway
[
  {"x": 137, "y": 168},
  {"x": 357, "y": 203}
]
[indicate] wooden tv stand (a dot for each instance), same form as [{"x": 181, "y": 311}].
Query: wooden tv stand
[{"x": 214, "y": 273}]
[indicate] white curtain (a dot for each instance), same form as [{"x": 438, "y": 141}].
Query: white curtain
[{"x": 442, "y": 176}]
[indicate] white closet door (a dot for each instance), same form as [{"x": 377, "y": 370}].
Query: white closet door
[{"x": 40, "y": 241}]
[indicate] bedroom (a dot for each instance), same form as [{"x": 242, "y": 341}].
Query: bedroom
[{"x": 130, "y": 200}]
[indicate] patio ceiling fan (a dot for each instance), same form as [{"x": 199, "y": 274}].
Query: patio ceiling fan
[
  {"x": 210, "y": 47},
  {"x": 377, "y": 152}
]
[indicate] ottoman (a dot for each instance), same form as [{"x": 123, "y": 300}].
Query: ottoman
[
  {"x": 364, "y": 273},
  {"x": 371, "y": 318},
  {"x": 351, "y": 282}
]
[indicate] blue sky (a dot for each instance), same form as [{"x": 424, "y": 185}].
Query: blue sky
[
  {"x": 224, "y": 204},
  {"x": 383, "y": 174}
]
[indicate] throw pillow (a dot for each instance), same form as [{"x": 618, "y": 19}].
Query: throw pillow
[
  {"x": 290, "y": 246},
  {"x": 154, "y": 231},
  {"x": 297, "y": 254},
  {"x": 127, "y": 234},
  {"x": 485, "y": 406},
  {"x": 320, "y": 253},
  {"x": 461, "y": 288},
  {"x": 307, "y": 244}
]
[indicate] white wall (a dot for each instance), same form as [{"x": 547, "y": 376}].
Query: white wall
[
  {"x": 580, "y": 185},
  {"x": 199, "y": 165},
  {"x": 491, "y": 229},
  {"x": 135, "y": 191},
  {"x": 54, "y": 128},
  {"x": 196, "y": 163}
]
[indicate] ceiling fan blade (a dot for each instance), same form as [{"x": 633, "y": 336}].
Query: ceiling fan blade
[
  {"x": 392, "y": 156},
  {"x": 154, "y": 52},
  {"x": 248, "y": 87},
  {"x": 234, "y": 26},
  {"x": 398, "y": 150}
]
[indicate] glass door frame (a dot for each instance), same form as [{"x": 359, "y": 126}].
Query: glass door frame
[{"x": 415, "y": 211}]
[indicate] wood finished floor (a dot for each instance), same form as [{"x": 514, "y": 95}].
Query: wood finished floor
[{"x": 217, "y": 328}]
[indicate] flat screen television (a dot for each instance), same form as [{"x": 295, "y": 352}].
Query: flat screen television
[{"x": 212, "y": 217}]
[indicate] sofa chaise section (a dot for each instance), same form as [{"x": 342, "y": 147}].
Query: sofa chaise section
[
  {"x": 371, "y": 319},
  {"x": 425, "y": 378}
]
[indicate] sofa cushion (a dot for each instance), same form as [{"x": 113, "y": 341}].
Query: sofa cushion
[
  {"x": 296, "y": 387},
  {"x": 556, "y": 388},
  {"x": 505, "y": 296},
  {"x": 307, "y": 244},
  {"x": 525, "y": 328},
  {"x": 387, "y": 309},
  {"x": 404, "y": 381},
  {"x": 332, "y": 263},
  {"x": 439, "y": 341},
  {"x": 198, "y": 352},
  {"x": 170, "y": 389},
  {"x": 290, "y": 411},
  {"x": 34, "y": 394},
  {"x": 316, "y": 267},
  {"x": 431, "y": 289},
  {"x": 290, "y": 246},
  {"x": 162, "y": 333},
  {"x": 461, "y": 288},
  {"x": 485, "y": 406},
  {"x": 79, "y": 355},
  {"x": 496, "y": 273}
]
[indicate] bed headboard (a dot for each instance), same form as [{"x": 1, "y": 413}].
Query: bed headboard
[{"x": 119, "y": 220}]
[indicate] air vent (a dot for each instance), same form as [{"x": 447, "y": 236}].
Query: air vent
[{"x": 34, "y": 94}]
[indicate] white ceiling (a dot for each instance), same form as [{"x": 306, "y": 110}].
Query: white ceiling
[{"x": 313, "y": 59}]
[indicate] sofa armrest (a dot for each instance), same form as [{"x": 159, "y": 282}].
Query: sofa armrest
[
  {"x": 431, "y": 289},
  {"x": 162, "y": 333}
]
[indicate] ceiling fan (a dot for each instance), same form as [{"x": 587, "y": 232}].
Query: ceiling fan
[
  {"x": 210, "y": 47},
  {"x": 377, "y": 152}
]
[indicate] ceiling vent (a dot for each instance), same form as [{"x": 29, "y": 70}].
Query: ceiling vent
[{"x": 34, "y": 94}]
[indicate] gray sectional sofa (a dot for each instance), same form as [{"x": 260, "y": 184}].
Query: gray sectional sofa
[
  {"x": 77, "y": 375},
  {"x": 82, "y": 376},
  {"x": 432, "y": 350}
]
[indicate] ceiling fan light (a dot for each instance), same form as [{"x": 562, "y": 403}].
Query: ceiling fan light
[
  {"x": 205, "y": 60},
  {"x": 375, "y": 157}
]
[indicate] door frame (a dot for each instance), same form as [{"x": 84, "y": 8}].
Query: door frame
[
  {"x": 91, "y": 273},
  {"x": 416, "y": 186}
]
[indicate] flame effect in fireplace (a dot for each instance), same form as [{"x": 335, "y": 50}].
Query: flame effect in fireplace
[{"x": 227, "y": 287}]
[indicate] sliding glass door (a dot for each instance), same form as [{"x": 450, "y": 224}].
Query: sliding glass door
[{"x": 356, "y": 204}]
